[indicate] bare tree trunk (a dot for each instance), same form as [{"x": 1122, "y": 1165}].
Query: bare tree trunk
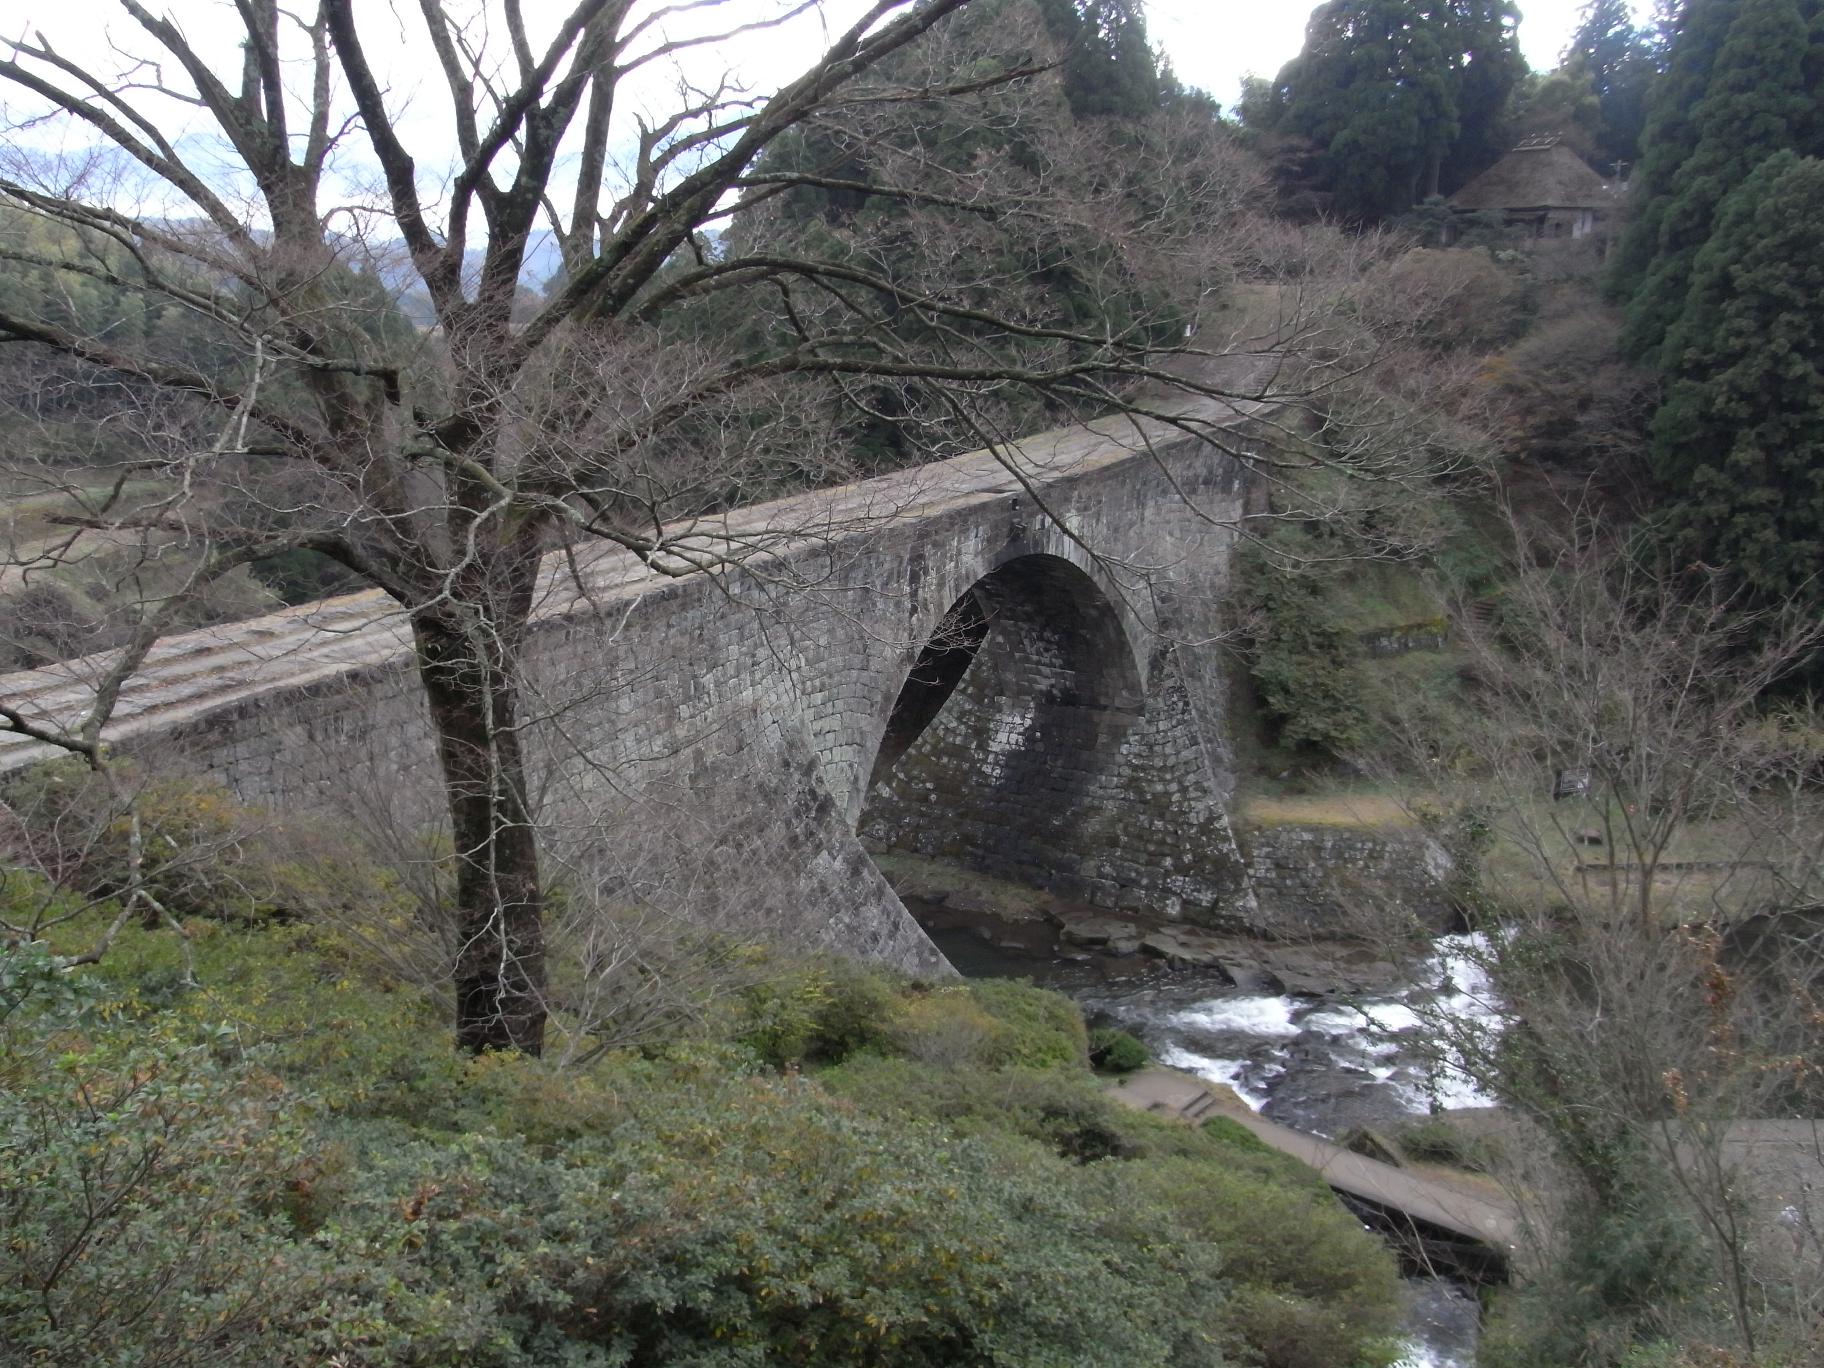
[{"x": 470, "y": 683}]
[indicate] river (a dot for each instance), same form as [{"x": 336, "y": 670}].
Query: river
[{"x": 1319, "y": 1061}]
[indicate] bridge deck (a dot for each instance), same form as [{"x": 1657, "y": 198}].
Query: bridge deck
[
  {"x": 187, "y": 677},
  {"x": 1484, "y": 1219}
]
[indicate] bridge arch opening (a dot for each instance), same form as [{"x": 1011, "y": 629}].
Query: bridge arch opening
[{"x": 1003, "y": 750}]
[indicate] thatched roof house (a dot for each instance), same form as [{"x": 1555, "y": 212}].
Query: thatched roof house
[{"x": 1543, "y": 183}]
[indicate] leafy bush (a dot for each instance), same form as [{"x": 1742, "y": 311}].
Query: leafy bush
[
  {"x": 1043, "y": 1029},
  {"x": 814, "y": 1015},
  {"x": 717, "y": 1221},
  {"x": 1116, "y": 1051},
  {"x": 203, "y": 853},
  {"x": 294, "y": 1168},
  {"x": 1063, "y": 1111},
  {"x": 1306, "y": 664},
  {"x": 299, "y": 996},
  {"x": 146, "y": 1175},
  {"x": 1632, "y": 1275},
  {"x": 1439, "y": 1141},
  {"x": 1313, "y": 1289}
]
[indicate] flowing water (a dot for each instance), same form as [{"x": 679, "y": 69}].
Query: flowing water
[{"x": 1320, "y": 1062}]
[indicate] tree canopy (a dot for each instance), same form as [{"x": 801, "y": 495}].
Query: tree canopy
[
  {"x": 1404, "y": 97},
  {"x": 1717, "y": 273},
  {"x": 1620, "y": 60},
  {"x": 1743, "y": 84},
  {"x": 1739, "y": 442}
]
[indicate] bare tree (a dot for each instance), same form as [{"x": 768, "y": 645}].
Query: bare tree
[
  {"x": 442, "y": 463},
  {"x": 1646, "y": 819}
]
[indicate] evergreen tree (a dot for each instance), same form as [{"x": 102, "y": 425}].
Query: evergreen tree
[
  {"x": 1739, "y": 443},
  {"x": 1403, "y": 96},
  {"x": 1620, "y": 59},
  {"x": 1753, "y": 101},
  {"x": 1480, "y": 40},
  {"x": 1373, "y": 88},
  {"x": 1692, "y": 37},
  {"x": 1109, "y": 67},
  {"x": 1563, "y": 102}
]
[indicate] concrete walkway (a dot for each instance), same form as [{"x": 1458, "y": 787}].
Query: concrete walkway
[{"x": 1481, "y": 1217}]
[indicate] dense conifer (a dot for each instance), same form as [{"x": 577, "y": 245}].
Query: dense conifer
[
  {"x": 1563, "y": 103},
  {"x": 1739, "y": 443},
  {"x": 1109, "y": 69},
  {"x": 1739, "y": 90},
  {"x": 1480, "y": 43},
  {"x": 1372, "y": 89},
  {"x": 1619, "y": 59},
  {"x": 1694, "y": 37}
]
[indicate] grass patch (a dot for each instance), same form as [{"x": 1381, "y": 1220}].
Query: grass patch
[
  {"x": 1381, "y": 597},
  {"x": 1712, "y": 867},
  {"x": 1362, "y": 811}
]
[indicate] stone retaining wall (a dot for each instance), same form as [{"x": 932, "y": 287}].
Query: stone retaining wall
[{"x": 1332, "y": 881}]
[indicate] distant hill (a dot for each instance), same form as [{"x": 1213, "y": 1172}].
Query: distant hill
[{"x": 392, "y": 263}]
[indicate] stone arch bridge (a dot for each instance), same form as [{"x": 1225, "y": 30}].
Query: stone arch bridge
[{"x": 1008, "y": 667}]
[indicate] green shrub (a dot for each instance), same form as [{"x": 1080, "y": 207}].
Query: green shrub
[
  {"x": 815, "y": 1015},
  {"x": 1306, "y": 664},
  {"x": 295, "y": 1167},
  {"x": 1632, "y": 1273},
  {"x": 751, "y": 1223},
  {"x": 947, "y": 1028},
  {"x": 1044, "y": 1029},
  {"x": 1116, "y": 1051},
  {"x": 300, "y": 996},
  {"x": 149, "y": 1176},
  {"x": 203, "y": 853},
  {"x": 1438, "y": 1141},
  {"x": 1064, "y": 1112},
  {"x": 1227, "y": 1136},
  {"x": 1313, "y": 1289}
]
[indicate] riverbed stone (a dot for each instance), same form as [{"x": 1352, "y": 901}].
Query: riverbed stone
[
  {"x": 973, "y": 904},
  {"x": 1180, "y": 948},
  {"x": 1253, "y": 977},
  {"x": 1100, "y": 931}
]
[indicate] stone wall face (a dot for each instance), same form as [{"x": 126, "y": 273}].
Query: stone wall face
[
  {"x": 710, "y": 740},
  {"x": 1323, "y": 881},
  {"x": 1052, "y": 764}
]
